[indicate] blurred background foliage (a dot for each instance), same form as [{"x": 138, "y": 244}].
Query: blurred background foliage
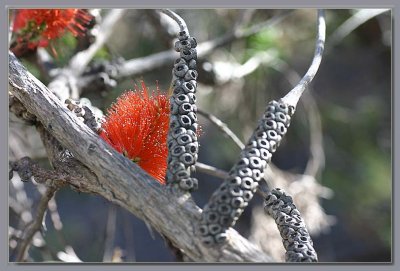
[{"x": 352, "y": 91}]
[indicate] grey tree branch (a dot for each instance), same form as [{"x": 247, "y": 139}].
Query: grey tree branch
[
  {"x": 107, "y": 173},
  {"x": 294, "y": 95},
  {"x": 223, "y": 127}
]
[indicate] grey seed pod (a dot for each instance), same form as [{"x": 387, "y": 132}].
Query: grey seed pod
[
  {"x": 171, "y": 143},
  {"x": 212, "y": 217},
  {"x": 269, "y": 116},
  {"x": 174, "y": 107},
  {"x": 212, "y": 207},
  {"x": 180, "y": 70},
  {"x": 283, "y": 108},
  {"x": 224, "y": 221},
  {"x": 183, "y": 35},
  {"x": 178, "y": 132},
  {"x": 281, "y": 117},
  {"x": 185, "y": 121},
  {"x": 189, "y": 54},
  {"x": 247, "y": 195},
  {"x": 208, "y": 240},
  {"x": 235, "y": 181},
  {"x": 242, "y": 163},
  {"x": 214, "y": 229},
  {"x": 188, "y": 87},
  {"x": 261, "y": 134},
  {"x": 184, "y": 139},
  {"x": 195, "y": 184},
  {"x": 193, "y": 42},
  {"x": 178, "y": 151},
  {"x": 265, "y": 155},
  {"x": 255, "y": 163},
  {"x": 223, "y": 198},
  {"x": 236, "y": 191},
  {"x": 272, "y": 135},
  {"x": 252, "y": 152},
  {"x": 177, "y": 46},
  {"x": 193, "y": 116},
  {"x": 186, "y": 183},
  {"x": 244, "y": 172},
  {"x": 272, "y": 146},
  {"x": 263, "y": 143},
  {"x": 182, "y": 98},
  {"x": 182, "y": 174},
  {"x": 186, "y": 158},
  {"x": 257, "y": 175},
  {"x": 185, "y": 45},
  {"x": 247, "y": 183},
  {"x": 192, "y": 135},
  {"x": 192, "y": 98},
  {"x": 269, "y": 124},
  {"x": 203, "y": 230},
  {"x": 238, "y": 202},
  {"x": 194, "y": 127},
  {"x": 224, "y": 209},
  {"x": 176, "y": 166},
  {"x": 174, "y": 123},
  {"x": 185, "y": 108},
  {"x": 191, "y": 75},
  {"x": 192, "y": 148},
  {"x": 192, "y": 64},
  {"x": 194, "y": 84},
  {"x": 281, "y": 129},
  {"x": 235, "y": 214},
  {"x": 296, "y": 239},
  {"x": 221, "y": 237}
]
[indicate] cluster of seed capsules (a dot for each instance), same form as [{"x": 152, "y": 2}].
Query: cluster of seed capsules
[
  {"x": 84, "y": 112},
  {"x": 182, "y": 138},
  {"x": 296, "y": 239},
  {"x": 229, "y": 200}
]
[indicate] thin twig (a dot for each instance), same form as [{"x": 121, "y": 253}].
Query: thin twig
[
  {"x": 352, "y": 23},
  {"x": 210, "y": 170},
  {"x": 294, "y": 95},
  {"x": 31, "y": 230},
  {"x": 222, "y": 126}
]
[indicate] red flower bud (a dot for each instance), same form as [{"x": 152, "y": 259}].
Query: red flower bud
[{"x": 136, "y": 125}]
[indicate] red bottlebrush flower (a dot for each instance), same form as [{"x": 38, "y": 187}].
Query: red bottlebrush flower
[
  {"x": 136, "y": 125},
  {"x": 37, "y": 27}
]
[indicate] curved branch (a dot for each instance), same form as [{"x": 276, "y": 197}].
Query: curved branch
[
  {"x": 294, "y": 95},
  {"x": 177, "y": 19},
  {"x": 122, "y": 181}
]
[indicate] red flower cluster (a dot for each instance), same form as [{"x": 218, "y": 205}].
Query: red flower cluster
[
  {"x": 137, "y": 126},
  {"x": 36, "y": 27}
]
